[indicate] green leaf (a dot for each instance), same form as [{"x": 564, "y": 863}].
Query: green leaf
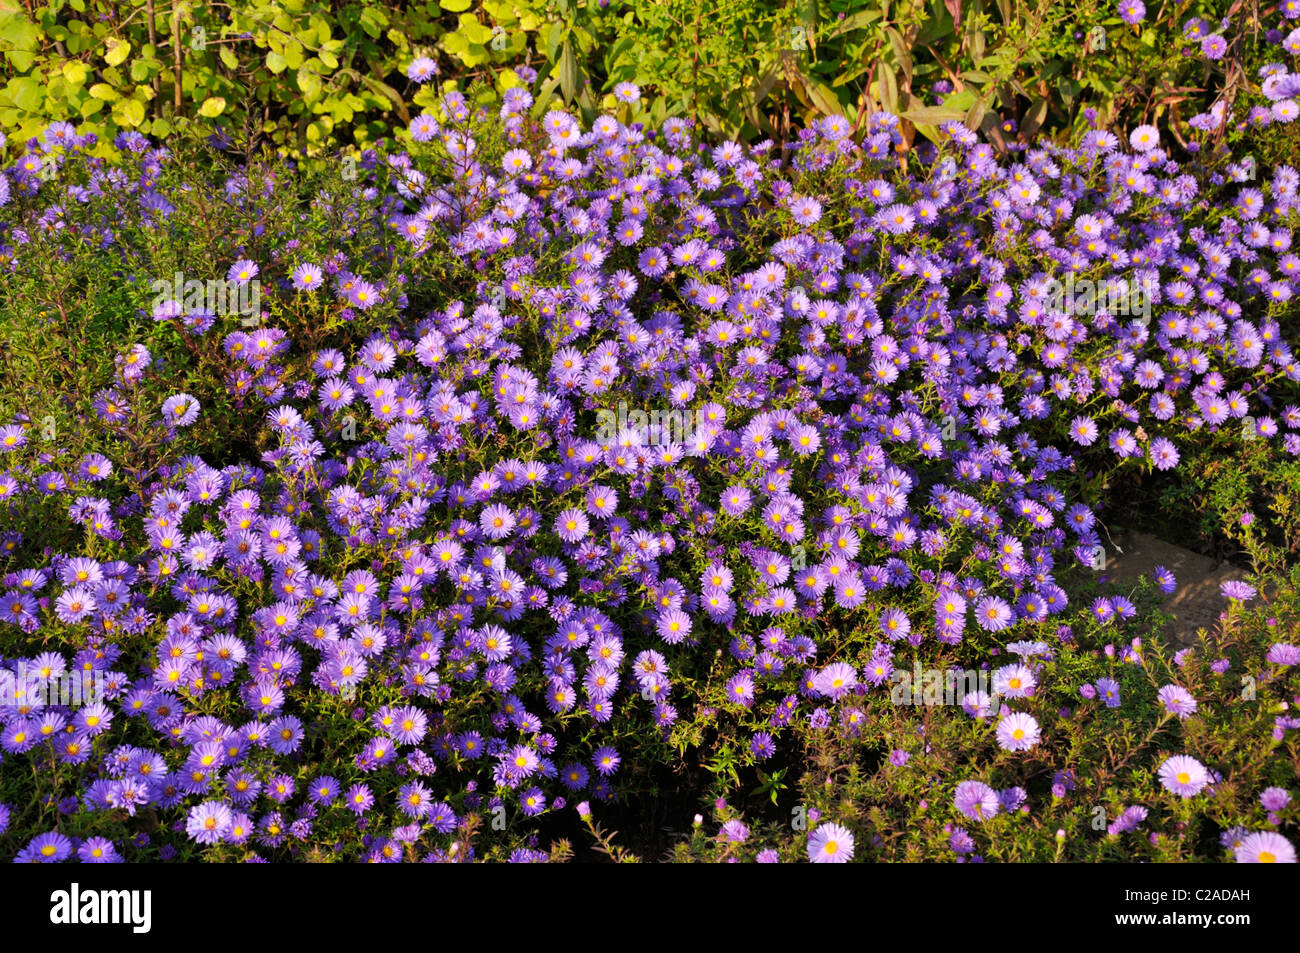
[
  {"x": 901, "y": 52},
  {"x": 339, "y": 110},
  {"x": 850, "y": 75},
  {"x": 888, "y": 87},
  {"x": 554, "y": 34},
  {"x": 133, "y": 111},
  {"x": 212, "y": 107},
  {"x": 475, "y": 32},
  {"x": 822, "y": 96},
  {"x": 974, "y": 37},
  {"x": 21, "y": 38},
  {"x": 933, "y": 115},
  {"x": 544, "y": 95},
  {"x": 373, "y": 20},
  {"x": 105, "y": 92},
  {"x": 383, "y": 89},
  {"x": 855, "y": 21},
  {"x": 455, "y": 6},
  {"x": 960, "y": 101},
  {"x": 27, "y": 93},
  {"x": 1034, "y": 116},
  {"x": 275, "y": 62},
  {"x": 929, "y": 130},
  {"x": 975, "y": 115},
  {"x": 938, "y": 27},
  {"x": 309, "y": 83},
  {"x": 322, "y": 30},
  {"x": 763, "y": 88},
  {"x": 568, "y": 72},
  {"x": 117, "y": 51},
  {"x": 74, "y": 71},
  {"x": 456, "y": 44}
]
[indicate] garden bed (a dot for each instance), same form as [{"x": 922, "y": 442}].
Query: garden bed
[{"x": 541, "y": 475}]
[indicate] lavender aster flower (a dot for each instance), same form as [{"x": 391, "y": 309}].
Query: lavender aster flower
[
  {"x": 976, "y": 800},
  {"x": 830, "y": 843},
  {"x": 1265, "y": 847},
  {"x": 1183, "y": 775}
]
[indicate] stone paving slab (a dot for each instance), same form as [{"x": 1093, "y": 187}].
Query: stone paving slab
[{"x": 1196, "y": 603}]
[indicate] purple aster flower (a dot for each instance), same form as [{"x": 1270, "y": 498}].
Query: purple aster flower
[
  {"x": 208, "y": 823},
  {"x": 1238, "y": 590},
  {"x": 740, "y": 689},
  {"x": 762, "y": 746},
  {"x": 1274, "y": 799},
  {"x": 421, "y": 69},
  {"x": 51, "y": 848},
  {"x": 1018, "y": 732},
  {"x": 606, "y": 760},
  {"x": 977, "y": 704},
  {"x": 1265, "y": 847},
  {"x": 242, "y": 272},
  {"x": 673, "y": 625},
  {"x": 830, "y": 843},
  {"x": 424, "y": 128},
  {"x": 324, "y": 790},
  {"x": 180, "y": 410},
  {"x": 993, "y": 614},
  {"x": 976, "y": 800},
  {"x": 1108, "y": 689},
  {"x": 359, "y": 799},
  {"x": 735, "y": 831},
  {"x": 1280, "y": 653},
  {"x": 1164, "y": 456},
  {"x": 571, "y": 525},
  {"x": 837, "y": 680},
  {"x": 1128, "y": 820},
  {"x": 1014, "y": 681},
  {"x": 735, "y": 500},
  {"x": 307, "y": 277},
  {"x": 1177, "y": 701},
  {"x": 98, "y": 850},
  {"x": 1183, "y": 775},
  {"x": 1083, "y": 430}
]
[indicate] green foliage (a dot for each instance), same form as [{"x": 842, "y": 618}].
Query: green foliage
[
  {"x": 316, "y": 77},
  {"x": 84, "y": 298},
  {"x": 903, "y": 812},
  {"x": 306, "y": 74}
]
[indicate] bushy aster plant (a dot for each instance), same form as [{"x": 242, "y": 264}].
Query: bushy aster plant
[{"x": 554, "y": 456}]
